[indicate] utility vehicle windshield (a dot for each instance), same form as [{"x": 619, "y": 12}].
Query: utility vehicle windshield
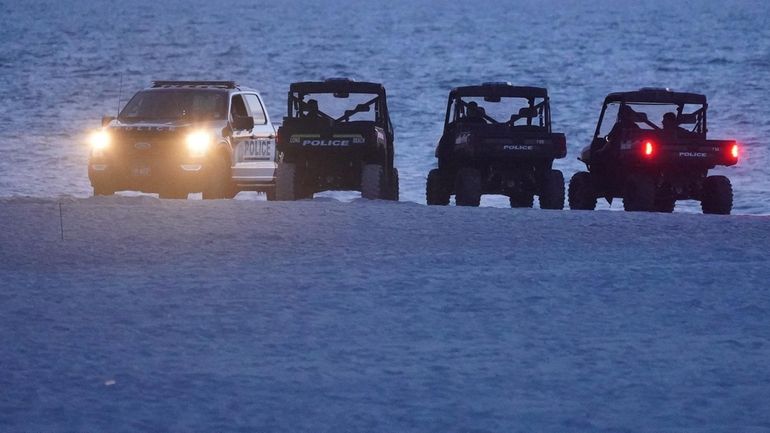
[
  {"x": 689, "y": 118},
  {"x": 514, "y": 111},
  {"x": 338, "y": 107},
  {"x": 175, "y": 104}
]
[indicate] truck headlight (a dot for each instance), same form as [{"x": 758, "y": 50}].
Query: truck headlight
[
  {"x": 198, "y": 143},
  {"x": 99, "y": 140}
]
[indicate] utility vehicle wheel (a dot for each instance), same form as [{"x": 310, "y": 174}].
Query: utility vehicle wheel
[
  {"x": 582, "y": 195},
  {"x": 435, "y": 192},
  {"x": 468, "y": 187},
  {"x": 373, "y": 182},
  {"x": 717, "y": 196},
  {"x": 218, "y": 185},
  {"x": 286, "y": 185},
  {"x": 521, "y": 200},
  {"x": 102, "y": 189},
  {"x": 665, "y": 204},
  {"x": 394, "y": 185},
  {"x": 552, "y": 191},
  {"x": 639, "y": 194}
]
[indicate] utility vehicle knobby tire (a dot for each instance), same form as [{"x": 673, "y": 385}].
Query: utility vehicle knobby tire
[
  {"x": 468, "y": 187},
  {"x": 581, "y": 194},
  {"x": 285, "y": 182},
  {"x": 373, "y": 182},
  {"x": 717, "y": 196},
  {"x": 552, "y": 191},
  {"x": 218, "y": 182},
  {"x": 435, "y": 192},
  {"x": 665, "y": 205},
  {"x": 639, "y": 194},
  {"x": 394, "y": 185},
  {"x": 521, "y": 200}
]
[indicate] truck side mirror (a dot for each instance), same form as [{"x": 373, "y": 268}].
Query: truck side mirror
[
  {"x": 241, "y": 123},
  {"x": 106, "y": 120}
]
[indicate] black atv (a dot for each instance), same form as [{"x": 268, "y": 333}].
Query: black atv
[
  {"x": 337, "y": 136},
  {"x": 652, "y": 163},
  {"x": 497, "y": 139}
]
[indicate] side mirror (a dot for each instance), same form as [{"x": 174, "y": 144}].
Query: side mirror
[
  {"x": 241, "y": 123},
  {"x": 106, "y": 120}
]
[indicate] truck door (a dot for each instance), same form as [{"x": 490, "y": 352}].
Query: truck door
[{"x": 255, "y": 153}]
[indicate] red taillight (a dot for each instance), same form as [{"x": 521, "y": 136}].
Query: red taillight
[
  {"x": 734, "y": 150},
  {"x": 649, "y": 148}
]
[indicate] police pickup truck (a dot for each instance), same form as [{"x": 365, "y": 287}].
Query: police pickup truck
[{"x": 178, "y": 137}]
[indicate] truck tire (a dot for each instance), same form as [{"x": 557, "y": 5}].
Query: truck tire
[
  {"x": 468, "y": 187},
  {"x": 394, "y": 185},
  {"x": 103, "y": 189},
  {"x": 639, "y": 194},
  {"x": 521, "y": 200},
  {"x": 717, "y": 196},
  {"x": 218, "y": 182},
  {"x": 552, "y": 191},
  {"x": 373, "y": 183},
  {"x": 270, "y": 194},
  {"x": 286, "y": 182},
  {"x": 435, "y": 192},
  {"x": 172, "y": 192},
  {"x": 581, "y": 194}
]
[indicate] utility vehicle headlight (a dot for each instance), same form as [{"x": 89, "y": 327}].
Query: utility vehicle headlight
[
  {"x": 198, "y": 143},
  {"x": 99, "y": 140}
]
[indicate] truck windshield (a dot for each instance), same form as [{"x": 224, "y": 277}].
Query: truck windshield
[{"x": 175, "y": 104}]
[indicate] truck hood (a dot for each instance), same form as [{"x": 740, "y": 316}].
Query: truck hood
[{"x": 172, "y": 125}]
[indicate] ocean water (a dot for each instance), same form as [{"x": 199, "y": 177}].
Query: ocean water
[{"x": 62, "y": 63}]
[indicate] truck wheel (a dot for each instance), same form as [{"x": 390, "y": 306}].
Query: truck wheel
[
  {"x": 286, "y": 182},
  {"x": 394, "y": 185},
  {"x": 468, "y": 187},
  {"x": 552, "y": 191},
  {"x": 373, "y": 182},
  {"x": 219, "y": 184},
  {"x": 639, "y": 194},
  {"x": 582, "y": 195},
  {"x": 270, "y": 194},
  {"x": 717, "y": 196},
  {"x": 102, "y": 189},
  {"x": 665, "y": 204},
  {"x": 435, "y": 193},
  {"x": 172, "y": 192},
  {"x": 521, "y": 200}
]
